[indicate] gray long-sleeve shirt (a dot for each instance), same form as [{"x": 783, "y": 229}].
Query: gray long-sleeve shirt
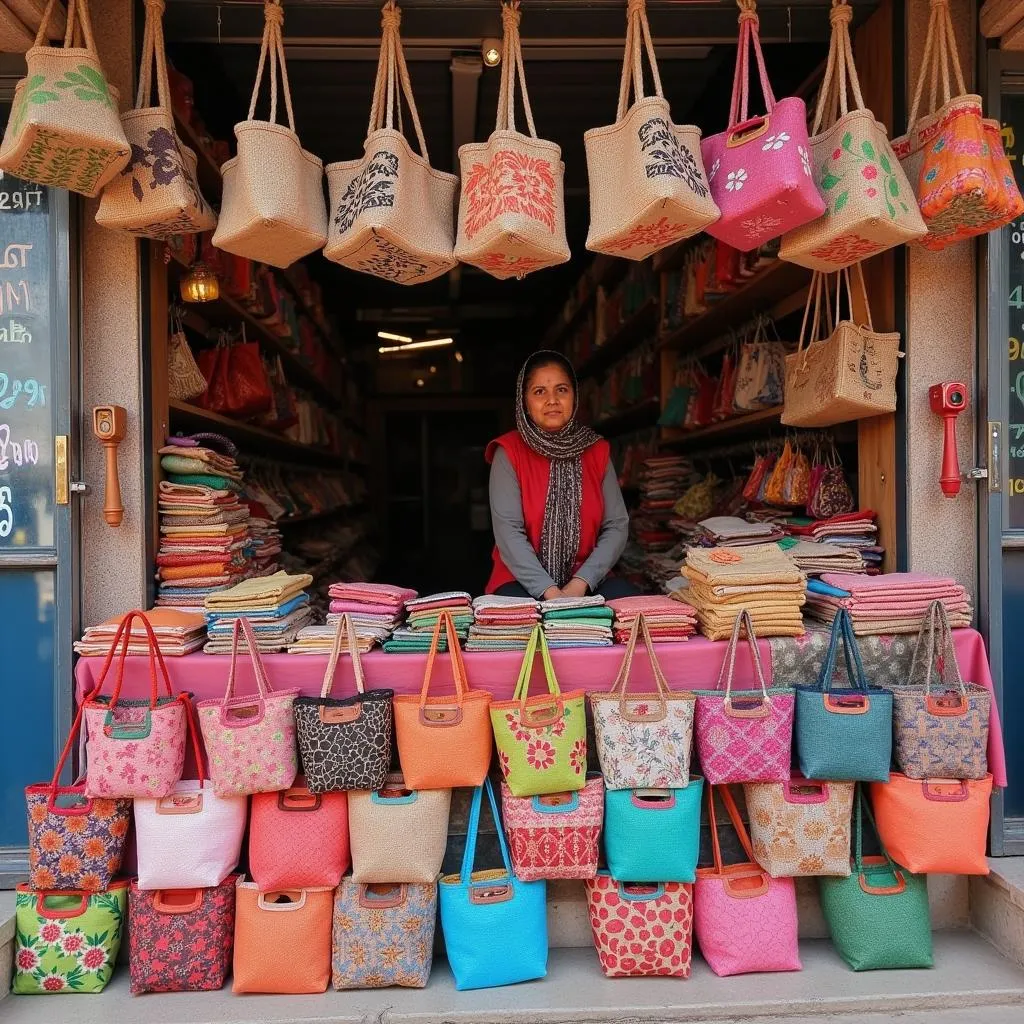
[{"x": 514, "y": 546}]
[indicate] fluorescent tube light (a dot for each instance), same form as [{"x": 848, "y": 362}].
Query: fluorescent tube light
[
  {"x": 435, "y": 343},
  {"x": 394, "y": 337}
]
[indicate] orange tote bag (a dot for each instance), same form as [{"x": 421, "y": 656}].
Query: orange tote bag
[{"x": 444, "y": 742}]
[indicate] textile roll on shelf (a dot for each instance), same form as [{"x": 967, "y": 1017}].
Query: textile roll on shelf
[
  {"x": 502, "y": 623},
  {"x": 276, "y": 607},
  {"x": 731, "y": 531}
]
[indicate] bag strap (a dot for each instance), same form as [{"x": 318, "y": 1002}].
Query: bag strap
[
  {"x": 840, "y": 66},
  {"x": 455, "y": 654},
  {"x": 939, "y": 649},
  {"x": 77, "y": 30},
  {"x": 522, "y": 691},
  {"x": 749, "y": 38},
  {"x": 621, "y": 684},
  {"x": 862, "y": 810},
  {"x": 243, "y": 626},
  {"x": 345, "y": 629},
  {"x": 637, "y": 29},
  {"x": 473, "y": 828},
  {"x": 273, "y": 44},
  {"x": 842, "y": 632},
  {"x": 511, "y": 68},
  {"x": 743, "y": 620},
  {"x": 156, "y": 659},
  {"x": 940, "y": 50},
  {"x": 153, "y": 49},
  {"x": 737, "y": 824}
]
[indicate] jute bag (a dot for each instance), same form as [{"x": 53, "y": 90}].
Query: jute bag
[
  {"x": 512, "y": 210},
  {"x": 273, "y": 210},
  {"x": 848, "y": 376},
  {"x": 393, "y": 214},
  {"x": 869, "y": 205},
  {"x": 648, "y": 188},
  {"x": 157, "y": 194},
  {"x": 64, "y": 130}
]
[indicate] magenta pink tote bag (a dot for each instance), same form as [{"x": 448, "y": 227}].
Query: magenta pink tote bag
[{"x": 759, "y": 168}]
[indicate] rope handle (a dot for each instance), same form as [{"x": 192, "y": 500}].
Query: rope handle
[
  {"x": 940, "y": 50},
  {"x": 840, "y": 66},
  {"x": 77, "y": 29},
  {"x": 537, "y": 641},
  {"x": 863, "y": 809},
  {"x": 153, "y": 50},
  {"x": 156, "y": 659},
  {"x": 511, "y": 68},
  {"x": 818, "y": 291},
  {"x": 455, "y": 654},
  {"x": 344, "y": 629},
  {"x": 273, "y": 44},
  {"x": 637, "y": 28},
  {"x": 243, "y": 626},
  {"x": 743, "y": 620},
  {"x": 749, "y": 38},
  {"x": 941, "y": 645},
  {"x": 621, "y": 684}
]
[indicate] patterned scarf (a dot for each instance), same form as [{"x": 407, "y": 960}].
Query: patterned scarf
[{"x": 560, "y": 537}]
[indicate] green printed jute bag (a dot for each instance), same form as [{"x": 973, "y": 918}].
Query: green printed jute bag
[
  {"x": 878, "y": 917},
  {"x": 67, "y": 942},
  {"x": 542, "y": 740}
]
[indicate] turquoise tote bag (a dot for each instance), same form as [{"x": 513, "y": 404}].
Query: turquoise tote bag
[
  {"x": 495, "y": 927},
  {"x": 653, "y": 835}
]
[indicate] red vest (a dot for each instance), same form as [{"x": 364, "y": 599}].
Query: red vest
[{"x": 533, "y": 471}]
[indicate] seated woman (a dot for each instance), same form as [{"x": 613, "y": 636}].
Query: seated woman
[{"x": 559, "y": 520}]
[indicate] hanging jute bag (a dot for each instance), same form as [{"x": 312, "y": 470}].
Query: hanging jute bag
[
  {"x": 870, "y": 206},
  {"x": 273, "y": 209},
  {"x": 157, "y": 194},
  {"x": 648, "y": 188},
  {"x": 393, "y": 215},
  {"x": 512, "y": 208},
  {"x": 953, "y": 155},
  {"x": 64, "y": 129},
  {"x": 848, "y": 376}
]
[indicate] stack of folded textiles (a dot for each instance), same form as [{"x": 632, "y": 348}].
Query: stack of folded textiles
[
  {"x": 502, "y": 623},
  {"x": 663, "y": 479},
  {"x": 854, "y": 531},
  {"x": 265, "y": 539},
  {"x": 667, "y": 619},
  {"x": 893, "y": 603},
  {"x": 760, "y": 578},
  {"x": 577, "y": 622},
  {"x": 276, "y": 606},
  {"x": 416, "y": 636},
  {"x": 177, "y": 633},
  {"x": 815, "y": 557},
  {"x": 375, "y": 610},
  {"x": 731, "y": 531}
]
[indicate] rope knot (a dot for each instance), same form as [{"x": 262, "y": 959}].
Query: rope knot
[
  {"x": 841, "y": 13},
  {"x": 938, "y": 3},
  {"x": 636, "y": 7},
  {"x": 390, "y": 15},
  {"x": 510, "y": 16},
  {"x": 155, "y": 5},
  {"x": 273, "y": 13},
  {"x": 748, "y": 11}
]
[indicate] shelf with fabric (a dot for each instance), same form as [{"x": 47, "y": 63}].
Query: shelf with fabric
[
  {"x": 622, "y": 340},
  {"x": 605, "y": 272},
  {"x": 735, "y": 425}
]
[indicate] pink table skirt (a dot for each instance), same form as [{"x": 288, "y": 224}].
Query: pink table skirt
[{"x": 692, "y": 665}]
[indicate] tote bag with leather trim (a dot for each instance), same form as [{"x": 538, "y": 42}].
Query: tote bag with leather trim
[
  {"x": 298, "y": 838},
  {"x": 392, "y": 214},
  {"x": 444, "y": 742},
  {"x": 495, "y": 927},
  {"x": 273, "y": 209},
  {"x": 744, "y": 735},
  {"x": 512, "y": 207},
  {"x": 870, "y": 206},
  {"x": 542, "y": 740},
  {"x": 643, "y": 739},
  {"x": 878, "y": 917},
  {"x": 345, "y": 742},
  {"x": 934, "y": 826},
  {"x": 648, "y": 188},
  {"x": 743, "y": 918},
  {"x": 398, "y": 834},
  {"x": 157, "y": 195},
  {"x": 844, "y": 734},
  {"x": 250, "y": 739}
]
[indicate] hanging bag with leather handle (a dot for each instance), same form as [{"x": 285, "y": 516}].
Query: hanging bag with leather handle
[
  {"x": 273, "y": 210},
  {"x": 444, "y": 742},
  {"x": 185, "y": 381},
  {"x": 345, "y": 742},
  {"x": 648, "y": 188},
  {"x": 744, "y": 920},
  {"x": 64, "y": 130},
  {"x": 392, "y": 214},
  {"x": 512, "y": 207},
  {"x": 870, "y": 206},
  {"x": 157, "y": 194}
]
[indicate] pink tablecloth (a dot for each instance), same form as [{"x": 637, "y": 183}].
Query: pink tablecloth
[{"x": 691, "y": 665}]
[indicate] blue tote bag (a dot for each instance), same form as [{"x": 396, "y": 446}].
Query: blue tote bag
[
  {"x": 495, "y": 927},
  {"x": 653, "y": 835},
  {"x": 844, "y": 734}
]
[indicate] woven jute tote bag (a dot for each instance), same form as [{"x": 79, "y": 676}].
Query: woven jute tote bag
[
  {"x": 849, "y": 375},
  {"x": 273, "y": 210},
  {"x": 648, "y": 188},
  {"x": 869, "y": 204},
  {"x": 157, "y": 194},
  {"x": 392, "y": 214},
  {"x": 512, "y": 209},
  {"x": 64, "y": 129}
]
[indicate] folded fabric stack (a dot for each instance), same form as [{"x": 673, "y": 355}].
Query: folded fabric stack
[
  {"x": 417, "y": 634},
  {"x": 577, "y": 622},
  {"x": 667, "y": 619},
  {"x": 760, "y": 578},
  {"x": 663, "y": 480},
  {"x": 854, "y": 531},
  {"x": 276, "y": 606},
  {"x": 893, "y": 603},
  {"x": 815, "y": 557},
  {"x": 320, "y": 639},
  {"x": 376, "y": 609},
  {"x": 502, "y": 623},
  {"x": 731, "y": 531},
  {"x": 177, "y": 633},
  {"x": 265, "y": 539}
]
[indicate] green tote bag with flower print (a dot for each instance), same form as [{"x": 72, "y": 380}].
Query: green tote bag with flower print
[
  {"x": 542, "y": 740},
  {"x": 67, "y": 942}
]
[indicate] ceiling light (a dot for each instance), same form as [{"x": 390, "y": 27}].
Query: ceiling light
[
  {"x": 420, "y": 382},
  {"x": 491, "y": 50},
  {"x": 458, "y": 357},
  {"x": 433, "y": 369},
  {"x": 394, "y": 337},
  {"x": 436, "y": 343},
  {"x": 200, "y": 284}
]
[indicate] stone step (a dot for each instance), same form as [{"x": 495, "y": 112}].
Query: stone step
[{"x": 997, "y": 906}]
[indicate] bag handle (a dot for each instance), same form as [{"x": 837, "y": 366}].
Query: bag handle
[
  {"x": 637, "y": 28},
  {"x": 55, "y": 913},
  {"x": 738, "y": 884},
  {"x": 243, "y": 626},
  {"x": 469, "y": 855},
  {"x": 153, "y": 49},
  {"x": 273, "y": 44},
  {"x": 346, "y": 629},
  {"x": 78, "y": 27},
  {"x": 840, "y": 67},
  {"x": 864, "y": 809},
  {"x": 511, "y": 68},
  {"x": 940, "y": 650},
  {"x": 455, "y": 655},
  {"x": 178, "y": 904},
  {"x": 743, "y": 621},
  {"x": 842, "y": 632},
  {"x": 621, "y": 684},
  {"x": 522, "y": 691},
  {"x": 749, "y": 38},
  {"x": 156, "y": 659},
  {"x": 940, "y": 50}
]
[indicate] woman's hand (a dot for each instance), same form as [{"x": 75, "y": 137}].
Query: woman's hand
[
  {"x": 575, "y": 588},
  {"x": 552, "y": 594}
]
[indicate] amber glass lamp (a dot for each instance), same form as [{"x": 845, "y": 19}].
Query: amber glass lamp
[{"x": 200, "y": 284}]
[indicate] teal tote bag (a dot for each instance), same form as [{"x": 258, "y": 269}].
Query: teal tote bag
[
  {"x": 844, "y": 734},
  {"x": 495, "y": 927}
]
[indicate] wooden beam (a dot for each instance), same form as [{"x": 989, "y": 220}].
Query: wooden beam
[{"x": 997, "y": 17}]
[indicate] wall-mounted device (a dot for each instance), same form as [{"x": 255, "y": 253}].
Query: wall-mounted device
[
  {"x": 948, "y": 400},
  {"x": 108, "y": 424}
]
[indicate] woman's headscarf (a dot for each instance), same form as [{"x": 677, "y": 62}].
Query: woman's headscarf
[{"x": 560, "y": 537}]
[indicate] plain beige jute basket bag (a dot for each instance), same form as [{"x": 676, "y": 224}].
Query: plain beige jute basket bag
[
  {"x": 392, "y": 214},
  {"x": 648, "y": 188},
  {"x": 869, "y": 204},
  {"x": 273, "y": 210},
  {"x": 64, "y": 129},
  {"x": 512, "y": 207},
  {"x": 157, "y": 195},
  {"x": 848, "y": 376}
]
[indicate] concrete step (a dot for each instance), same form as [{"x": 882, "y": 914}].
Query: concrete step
[{"x": 997, "y": 906}]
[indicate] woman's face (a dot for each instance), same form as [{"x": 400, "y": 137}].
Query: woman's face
[{"x": 550, "y": 397}]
